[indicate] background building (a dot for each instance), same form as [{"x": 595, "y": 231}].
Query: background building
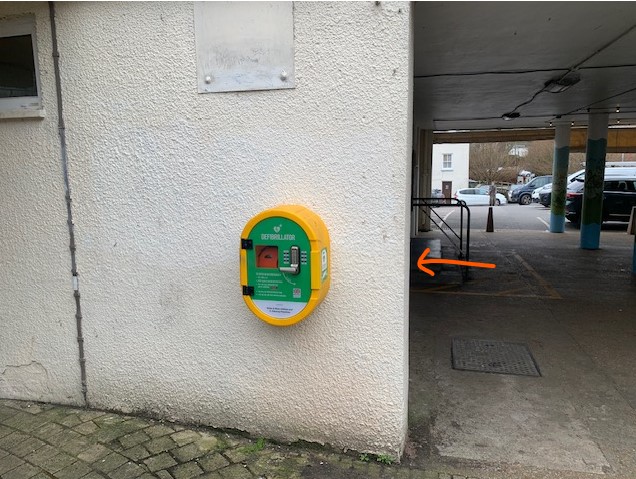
[{"x": 449, "y": 172}]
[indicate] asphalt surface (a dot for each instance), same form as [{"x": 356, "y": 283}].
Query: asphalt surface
[
  {"x": 512, "y": 216},
  {"x": 573, "y": 309}
]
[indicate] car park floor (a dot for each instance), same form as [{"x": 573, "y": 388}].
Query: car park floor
[{"x": 576, "y": 312}]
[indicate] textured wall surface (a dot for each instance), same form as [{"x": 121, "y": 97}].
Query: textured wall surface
[
  {"x": 38, "y": 349},
  {"x": 164, "y": 179}
]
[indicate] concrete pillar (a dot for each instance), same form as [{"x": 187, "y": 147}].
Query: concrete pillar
[
  {"x": 425, "y": 160},
  {"x": 415, "y": 182},
  {"x": 592, "y": 210},
  {"x": 559, "y": 176}
]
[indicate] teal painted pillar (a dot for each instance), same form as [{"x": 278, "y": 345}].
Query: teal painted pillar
[
  {"x": 592, "y": 211},
  {"x": 559, "y": 176}
]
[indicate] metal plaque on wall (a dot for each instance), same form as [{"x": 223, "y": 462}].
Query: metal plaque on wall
[{"x": 244, "y": 46}]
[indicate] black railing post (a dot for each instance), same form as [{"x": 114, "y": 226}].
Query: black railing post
[
  {"x": 427, "y": 203},
  {"x": 461, "y": 226},
  {"x": 467, "y": 234}
]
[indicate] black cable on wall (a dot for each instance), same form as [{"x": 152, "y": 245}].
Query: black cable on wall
[{"x": 67, "y": 194}]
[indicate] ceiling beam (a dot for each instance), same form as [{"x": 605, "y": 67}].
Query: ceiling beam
[
  {"x": 494, "y": 136},
  {"x": 619, "y": 140}
]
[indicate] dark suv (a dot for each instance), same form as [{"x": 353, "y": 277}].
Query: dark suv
[
  {"x": 522, "y": 194},
  {"x": 619, "y": 197}
]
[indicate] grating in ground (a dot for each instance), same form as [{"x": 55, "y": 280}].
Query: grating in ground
[{"x": 493, "y": 357}]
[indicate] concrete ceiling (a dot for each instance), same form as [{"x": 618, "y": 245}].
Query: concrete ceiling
[{"x": 475, "y": 61}]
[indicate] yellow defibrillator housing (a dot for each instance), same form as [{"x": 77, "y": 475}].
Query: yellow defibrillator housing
[{"x": 285, "y": 264}]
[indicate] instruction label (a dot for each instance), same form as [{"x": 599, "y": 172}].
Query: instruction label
[{"x": 279, "y": 309}]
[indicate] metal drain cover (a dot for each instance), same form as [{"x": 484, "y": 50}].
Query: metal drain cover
[{"x": 493, "y": 357}]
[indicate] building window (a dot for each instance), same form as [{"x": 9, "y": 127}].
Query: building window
[
  {"x": 19, "y": 79},
  {"x": 447, "y": 161}
]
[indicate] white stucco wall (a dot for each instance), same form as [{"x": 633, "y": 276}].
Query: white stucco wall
[
  {"x": 459, "y": 172},
  {"x": 38, "y": 349},
  {"x": 164, "y": 180}
]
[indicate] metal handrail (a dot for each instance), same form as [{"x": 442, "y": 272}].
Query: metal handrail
[{"x": 427, "y": 205}]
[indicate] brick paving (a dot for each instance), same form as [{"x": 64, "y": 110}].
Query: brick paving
[{"x": 43, "y": 441}]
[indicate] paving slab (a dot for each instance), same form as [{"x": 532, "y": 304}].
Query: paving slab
[{"x": 136, "y": 448}]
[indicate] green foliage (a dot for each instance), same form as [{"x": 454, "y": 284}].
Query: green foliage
[
  {"x": 364, "y": 457},
  {"x": 257, "y": 446},
  {"x": 385, "y": 459}
]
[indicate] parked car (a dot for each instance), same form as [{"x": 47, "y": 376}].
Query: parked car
[
  {"x": 614, "y": 170},
  {"x": 438, "y": 198},
  {"x": 437, "y": 193},
  {"x": 523, "y": 193},
  {"x": 538, "y": 191},
  {"x": 535, "y": 195},
  {"x": 619, "y": 197},
  {"x": 545, "y": 197},
  {"x": 545, "y": 193},
  {"x": 479, "y": 196}
]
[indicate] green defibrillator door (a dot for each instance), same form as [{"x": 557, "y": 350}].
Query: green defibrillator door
[{"x": 284, "y": 264}]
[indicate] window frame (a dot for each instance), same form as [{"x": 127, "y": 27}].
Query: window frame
[
  {"x": 22, "y": 106},
  {"x": 450, "y": 161}
]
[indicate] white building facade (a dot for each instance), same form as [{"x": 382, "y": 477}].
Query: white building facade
[
  {"x": 162, "y": 180},
  {"x": 449, "y": 172}
]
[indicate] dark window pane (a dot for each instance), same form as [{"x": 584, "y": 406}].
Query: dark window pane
[{"x": 17, "y": 68}]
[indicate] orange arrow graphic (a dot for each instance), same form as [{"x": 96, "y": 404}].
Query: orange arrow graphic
[{"x": 423, "y": 261}]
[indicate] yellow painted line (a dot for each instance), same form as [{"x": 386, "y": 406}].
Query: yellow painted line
[
  {"x": 548, "y": 287},
  {"x": 446, "y": 286},
  {"x": 510, "y": 292}
]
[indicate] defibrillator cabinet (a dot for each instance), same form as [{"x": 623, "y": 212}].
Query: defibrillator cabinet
[{"x": 285, "y": 261}]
